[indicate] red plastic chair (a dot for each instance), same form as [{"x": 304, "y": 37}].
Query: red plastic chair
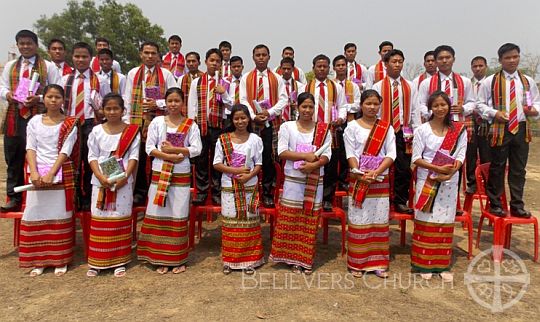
[
  {"x": 502, "y": 230},
  {"x": 270, "y": 214},
  {"x": 16, "y": 216},
  {"x": 337, "y": 212},
  {"x": 401, "y": 217}
]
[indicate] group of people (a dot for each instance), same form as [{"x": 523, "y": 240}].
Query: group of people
[{"x": 97, "y": 140}]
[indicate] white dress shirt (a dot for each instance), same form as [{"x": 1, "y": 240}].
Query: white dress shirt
[
  {"x": 193, "y": 98},
  {"x": 106, "y": 79},
  {"x": 115, "y": 65},
  {"x": 88, "y": 93},
  {"x": 282, "y": 94},
  {"x": 414, "y": 118},
  {"x": 339, "y": 103},
  {"x": 371, "y": 75},
  {"x": 301, "y": 75},
  {"x": 354, "y": 106}
]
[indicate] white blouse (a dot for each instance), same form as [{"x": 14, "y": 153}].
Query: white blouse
[
  {"x": 156, "y": 136},
  {"x": 289, "y": 137},
  {"x": 101, "y": 144},
  {"x": 355, "y": 138},
  {"x": 255, "y": 143},
  {"x": 44, "y": 140},
  {"x": 426, "y": 144}
]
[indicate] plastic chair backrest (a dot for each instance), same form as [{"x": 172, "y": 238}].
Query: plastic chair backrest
[{"x": 482, "y": 175}]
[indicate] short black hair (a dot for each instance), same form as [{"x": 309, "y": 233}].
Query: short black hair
[
  {"x": 225, "y": 44},
  {"x": 101, "y": 39},
  {"x": 52, "y": 41},
  {"x": 338, "y": 58},
  {"x": 236, "y": 58},
  {"x": 175, "y": 37},
  {"x": 213, "y": 51},
  {"x": 259, "y": 46},
  {"x": 26, "y": 34},
  {"x": 506, "y": 48},
  {"x": 194, "y": 53},
  {"x": 83, "y": 45},
  {"x": 149, "y": 43},
  {"x": 349, "y": 45},
  {"x": 287, "y": 48},
  {"x": 442, "y": 48},
  {"x": 113, "y": 97},
  {"x": 287, "y": 60},
  {"x": 321, "y": 57},
  {"x": 429, "y": 53},
  {"x": 384, "y": 44},
  {"x": 482, "y": 58},
  {"x": 393, "y": 52},
  {"x": 106, "y": 51}
]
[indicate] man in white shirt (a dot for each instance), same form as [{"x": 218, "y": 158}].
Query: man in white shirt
[
  {"x": 237, "y": 68},
  {"x": 356, "y": 72},
  {"x": 102, "y": 43},
  {"x": 298, "y": 73},
  {"x": 19, "y": 112},
  {"x": 378, "y": 71},
  {"x": 225, "y": 48},
  {"x": 430, "y": 66},
  {"x": 290, "y": 111},
  {"x": 174, "y": 61},
  {"x": 506, "y": 99},
  {"x": 193, "y": 61},
  {"x": 57, "y": 53},
  {"x": 116, "y": 82}
]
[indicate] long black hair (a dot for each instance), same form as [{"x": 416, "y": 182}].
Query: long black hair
[
  {"x": 445, "y": 97},
  {"x": 240, "y": 108}
]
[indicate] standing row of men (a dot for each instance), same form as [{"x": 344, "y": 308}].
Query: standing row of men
[{"x": 495, "y": 109}]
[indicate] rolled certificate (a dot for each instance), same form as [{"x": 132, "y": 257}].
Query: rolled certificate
[
  {"x": 248, "y": 158},
  {"x": 35, "y": 77},
  {"x": 357, "y": 171},
  {"x": 455, "y": 97},
  {"x": 322, "y": 149},
  {"x": 258, "y": 108},
  {"x": 28, "y": 187}
]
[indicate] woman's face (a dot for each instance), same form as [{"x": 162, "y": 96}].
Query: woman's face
[
  {"x": 240, "y": 120},
  {"x": 306, "y": 109},
  {"x": 371, "y": 106},
  {"x": 439, "y": 108},
  {"x": 175, "y": 103},
  {"x": 53, "y": 99},
  {"x": 113, "y": 111}
]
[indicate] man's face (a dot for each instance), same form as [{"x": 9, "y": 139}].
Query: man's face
[
  {"x": 479, "y": 68},
  {"x": 212, "y": 63},
  {"x": 445, "y": 61},
  {"x": 287, "y": 53},
  {"x": 350, "y": 54},
  {"x": 226, "y": 52},
  {"x": 394, "y": 66},
  {"x": 81, "y": 59},
  {"x": 286, "y": 70},
  {"x": 341, "y": 68},
  {"x": 384, "y": 50},
  {"x": 261, "y": 58},
  {"x": 149, "y": 56},
  {"x": 175, "y": 46},
  {"x": 27, "y": 47},
  {"x": 105, "y": 62},
  {"x": 57, "y": 52},
  {"x": 237, "y": 68},
  {"x": 321, "y": 69},
  {"x": 510, "y": 61},
  {"x": 101, "y": 44},
  {"x": 430, "y": 64},
  {"x": 192, "y": 63}
]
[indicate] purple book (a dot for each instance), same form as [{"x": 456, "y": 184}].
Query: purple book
[
  {"x": 302, "y": 148},
  {"x": 176, "y": 139},
  {"x": 21, "y": 93},
  {"x": 44, "y": 169},
  {"x": 369, "y": 163},
  {"x": 152, "y": 92},
  {"x": 442, "y": 157},
  {"x": 237, "y": 160}
]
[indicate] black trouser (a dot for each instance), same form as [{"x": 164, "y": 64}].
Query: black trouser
[
  {"x": 204, "y": 161},
  {"x": 402, "y": 171},
  {"x": 142, "y": 181},
  {"x": 85, "y": 186},
  {"x": 338, "y": 160},
  {"x": 478, "y": 145},
  {"x": 14, "y": 154},
  {"x": 516, "y": 151},
  {"x": 269, "y": 172}
]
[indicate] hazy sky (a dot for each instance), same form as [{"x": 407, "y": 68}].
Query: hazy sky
[{"x": 313, "y": 27}]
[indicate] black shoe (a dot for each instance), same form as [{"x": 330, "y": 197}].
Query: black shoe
[
  {"x": 138, "y": 200},
  {"x": 199, "y": 199},
  {"x": 401, "y": 208},
  {"x": 327, "y": 206},
  {"x": 216, "y": 200},
  {"x": 522, "y": 213},
  {"x": 497, "y": 211},
  {"x": 268, "y": 202},
  {"x": 11, "y": 206}
]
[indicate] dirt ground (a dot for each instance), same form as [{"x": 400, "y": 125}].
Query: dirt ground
[{"x": 204, "y": 293}]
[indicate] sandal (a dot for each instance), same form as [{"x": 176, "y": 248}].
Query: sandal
[
  {"x": 162, "y": 270},
  {"x": 356, "y": 274},
  {"x": 226, "y": 270},
  {"x": 60, "y": 271},
  {"x": 179, "y": 269},
  {"x": 37, "y": 271},
  {"x": 120, "y": 271},
  {"x": 426, "y": 276},
  {"x": 296, "y": 269},
  {"x": 249, "y": 270},
  {"x": 447, "y": 276},
  {"x": 380, "y": 273},
  {"x": 92, "y": 272}
]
